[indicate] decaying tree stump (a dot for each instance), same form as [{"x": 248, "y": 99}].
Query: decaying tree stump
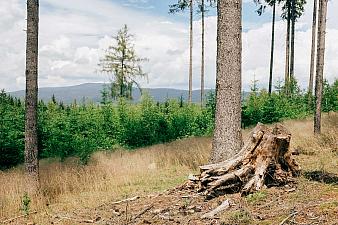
[{"x": 265, "y": 160}]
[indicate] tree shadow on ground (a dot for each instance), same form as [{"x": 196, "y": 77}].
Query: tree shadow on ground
[{"x": 321, "y": 176}]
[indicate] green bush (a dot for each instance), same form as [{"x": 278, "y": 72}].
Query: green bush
[
  {"x": 11, "y": 131},
  {"x": 79, "y": 130}
]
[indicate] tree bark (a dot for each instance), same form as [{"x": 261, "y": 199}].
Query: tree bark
[
  {"x": 31, "y": 138},
  {"x": 264, "y": 161},
  {"x": 313, "y": 49},
  {"x": 227, "y": 139},
  {"x": 320, "y": 63},
  {"x": 293, "y": 24},
  {"x": 287, "y": 50},
  {"x": 272, "y": 45},
  {"x": 191, "y": 47},
  {"x": 202, "y": 63}
]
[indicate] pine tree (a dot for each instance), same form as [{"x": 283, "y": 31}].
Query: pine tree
[
  {"x": 180, "y": 6},
  {"x": 227, "y": 139},
  {"x": 320, "y": 64},
  {"x": 313, "y": 50},
  {"x": 31, "y": 136},
  {"x": 202, "y": 9},
  {"x": 291, "y": 11},
  {"x": 121, "y": 61},
  {"x": 260, "y": 11}
]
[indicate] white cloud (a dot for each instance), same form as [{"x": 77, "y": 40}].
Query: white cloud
[
  {"x": 73, "y": 34},
  {"x": 256, "y": 49}
]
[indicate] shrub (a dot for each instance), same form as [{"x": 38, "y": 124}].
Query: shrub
[{"x": 79, "y": 130}]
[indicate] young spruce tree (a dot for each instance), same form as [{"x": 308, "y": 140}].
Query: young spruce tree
[{"x": 122, "y": 62}]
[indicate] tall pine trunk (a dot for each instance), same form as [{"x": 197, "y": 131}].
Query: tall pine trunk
[
  {"x": 313, "y": 49},
  {"x": 320, "y": 63},
  {"x": 227, "y": 139},
  {"x": 191, "y": 46},
  {"x": 292, "y": 59},
  {"x": 202, "y": 63},
  {"x": 272, "y": 46},
  {"x": 31, "y": 138},
  {"x": 287, "y": 49}
]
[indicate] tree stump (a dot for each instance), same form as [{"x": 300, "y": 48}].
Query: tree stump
[{"x": 265, "y": 160}]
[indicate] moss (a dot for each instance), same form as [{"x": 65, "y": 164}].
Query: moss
[{"x": 256, "y": 197}]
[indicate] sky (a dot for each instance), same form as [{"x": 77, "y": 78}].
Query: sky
[{"x": 74, "y": 34}]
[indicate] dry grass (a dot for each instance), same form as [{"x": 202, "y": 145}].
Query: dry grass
[
  {"x": 111, "y": 176},
  {"x": 316, "y": 153}
]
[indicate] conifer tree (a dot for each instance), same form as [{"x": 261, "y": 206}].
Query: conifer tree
[
  {"x": 121, "y": 61},
  {"x": 31, "y": 136}
]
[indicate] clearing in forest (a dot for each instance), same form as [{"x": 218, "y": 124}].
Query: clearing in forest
[{"x": 142, "y": 187}]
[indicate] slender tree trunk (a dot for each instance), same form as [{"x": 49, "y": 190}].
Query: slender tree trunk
[
  {"x": 191, "y": 46},
  {"x": 313, "y": 49},
  {"x": 121, "y": 87},
  {"x": 122, "y": 91},
  {"x": 287, "y": 49},
  {"x": 31, "y": 137},
  {"x": 202, "y": 63},
  {"x": 272, "y": 46},
  {"x": 320, "y": 63},
  {"x": 293, "y": 23},
  {"x": 227, "y": 139}
]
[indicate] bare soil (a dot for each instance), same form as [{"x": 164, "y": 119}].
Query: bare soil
[{"x": 306, "y": 202}]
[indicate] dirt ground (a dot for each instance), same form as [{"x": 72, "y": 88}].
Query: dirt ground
[{"x": 306, "y": 202}]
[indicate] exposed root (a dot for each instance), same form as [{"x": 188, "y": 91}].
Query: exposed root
[{"x": 265, "y": 160}]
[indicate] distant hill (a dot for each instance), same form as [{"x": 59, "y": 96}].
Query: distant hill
[{"x": 92, "y": 92}]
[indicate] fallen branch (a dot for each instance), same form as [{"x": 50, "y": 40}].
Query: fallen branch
[
  {"x": 118, "y": 202},
  {"x": 18, "y": 217},
  {"x": 78, "y": 220},
  {"x": 143, "y": 212},
  {"x": 210, "y": 215},
  {"x": 125, "y": 200},
  {"x": 289, "y": 217}
]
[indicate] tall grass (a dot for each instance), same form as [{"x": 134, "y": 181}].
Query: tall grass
[{"x": 109, "y": 175}]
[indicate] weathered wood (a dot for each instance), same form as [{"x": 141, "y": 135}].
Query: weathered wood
[
  {"x": 265, "y": 160},
  {"x": 210, "y": 215},
  {"x": 125, "y": 200}
]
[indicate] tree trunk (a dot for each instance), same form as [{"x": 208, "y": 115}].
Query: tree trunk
[
  {"x": 272, "y": 46},
  {"x": 191, "y": 46},
  {"x": 31, "y": 138},
  {"x": 320, "y": 63},
  {"x": 287, "y": 50},
  {"x": 122, "y": 91},
  {"x": 227, "y": 139},
  {"x": 313, "y": 50},
  {"x": 293, "y": 23},
  {"x": 202, "y": 63},
  {"x": 265, "y": 160}
]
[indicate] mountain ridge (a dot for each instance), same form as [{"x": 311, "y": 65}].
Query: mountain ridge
[{"x": 91, "y": 92}]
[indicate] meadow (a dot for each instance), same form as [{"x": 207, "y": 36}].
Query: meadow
[{"x": 110, "y": 176}]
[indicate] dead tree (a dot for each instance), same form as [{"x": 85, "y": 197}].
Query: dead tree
[{"x": 265, "y": 160}]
